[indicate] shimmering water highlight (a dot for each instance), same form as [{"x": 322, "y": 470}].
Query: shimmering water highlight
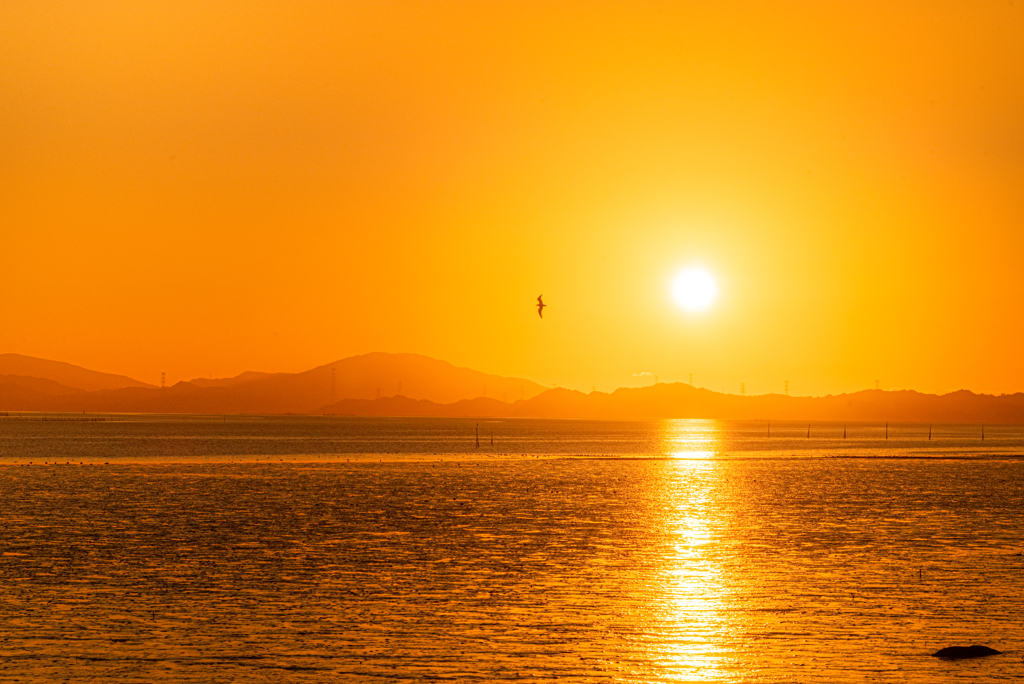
[{"x": 479, "y": 568}]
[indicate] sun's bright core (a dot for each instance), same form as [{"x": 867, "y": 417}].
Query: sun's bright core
[{"x": 694, "y": 289}]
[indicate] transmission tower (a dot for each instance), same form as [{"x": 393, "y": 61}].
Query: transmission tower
[
  {"x": 163, "y": 380},
  {"x": 743, "y": 388},
  {"x": 787, "y": 388}
]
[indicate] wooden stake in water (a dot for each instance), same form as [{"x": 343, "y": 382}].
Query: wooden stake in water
[
  {"x": 929, "y": 433},
  {"x": 982, "y": 433},
  {"x": 844, "y": 432},
  {"x": 887, "y": 429},
  {"x": 808, "y": 432},
  {"x": 478, "y": 435}
]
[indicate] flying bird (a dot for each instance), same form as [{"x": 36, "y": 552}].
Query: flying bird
[{"x": 540, "y": 306}]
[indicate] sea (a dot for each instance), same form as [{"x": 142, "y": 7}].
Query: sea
[{"x": 141, "y": 548}]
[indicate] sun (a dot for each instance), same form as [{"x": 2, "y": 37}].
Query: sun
[{"x": 694, "y": 289}]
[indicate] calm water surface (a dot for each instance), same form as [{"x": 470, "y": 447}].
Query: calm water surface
[{"x": 300, "y": 549}]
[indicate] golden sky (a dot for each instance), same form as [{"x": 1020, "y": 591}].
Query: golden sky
[{"x": 204, "y": 187}]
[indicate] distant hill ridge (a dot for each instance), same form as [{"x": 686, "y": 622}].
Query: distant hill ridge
[
  {"x": 66, "y": 374},
  {"x": 679, "y": 400},
  {"x": 367, "y": 376},
  {"x": 380, "y": 384}
]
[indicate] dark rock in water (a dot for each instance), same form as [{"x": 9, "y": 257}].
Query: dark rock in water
[{"x": 956, "y": 652}]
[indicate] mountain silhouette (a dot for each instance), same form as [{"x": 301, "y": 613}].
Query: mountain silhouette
[
  {"x": 359, "y": 377},
  {"x": 678, "y": 400},
  {"x": 64, "y": 373},
  {"x": 380, "y": 384}
]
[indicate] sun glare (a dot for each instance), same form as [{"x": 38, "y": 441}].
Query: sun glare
[{"x": 694, "y": 289}]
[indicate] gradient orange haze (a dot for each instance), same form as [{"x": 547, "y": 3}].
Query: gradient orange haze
[{"x": 204, "y": 188}]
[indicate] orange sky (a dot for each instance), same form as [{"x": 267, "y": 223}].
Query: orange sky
[{"x": 210, "y": 187}]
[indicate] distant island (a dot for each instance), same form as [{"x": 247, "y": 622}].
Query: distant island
[{"x": 406, "y": 385}]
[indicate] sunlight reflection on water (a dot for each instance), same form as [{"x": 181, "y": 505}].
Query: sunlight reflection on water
[
  {"x": 693, "y": 620},
  {"x": 484, "y": 567},
  {"x": 692, "y": 438}
]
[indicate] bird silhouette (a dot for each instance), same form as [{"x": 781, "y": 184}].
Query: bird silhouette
[{"x": 540, "y": 306}]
